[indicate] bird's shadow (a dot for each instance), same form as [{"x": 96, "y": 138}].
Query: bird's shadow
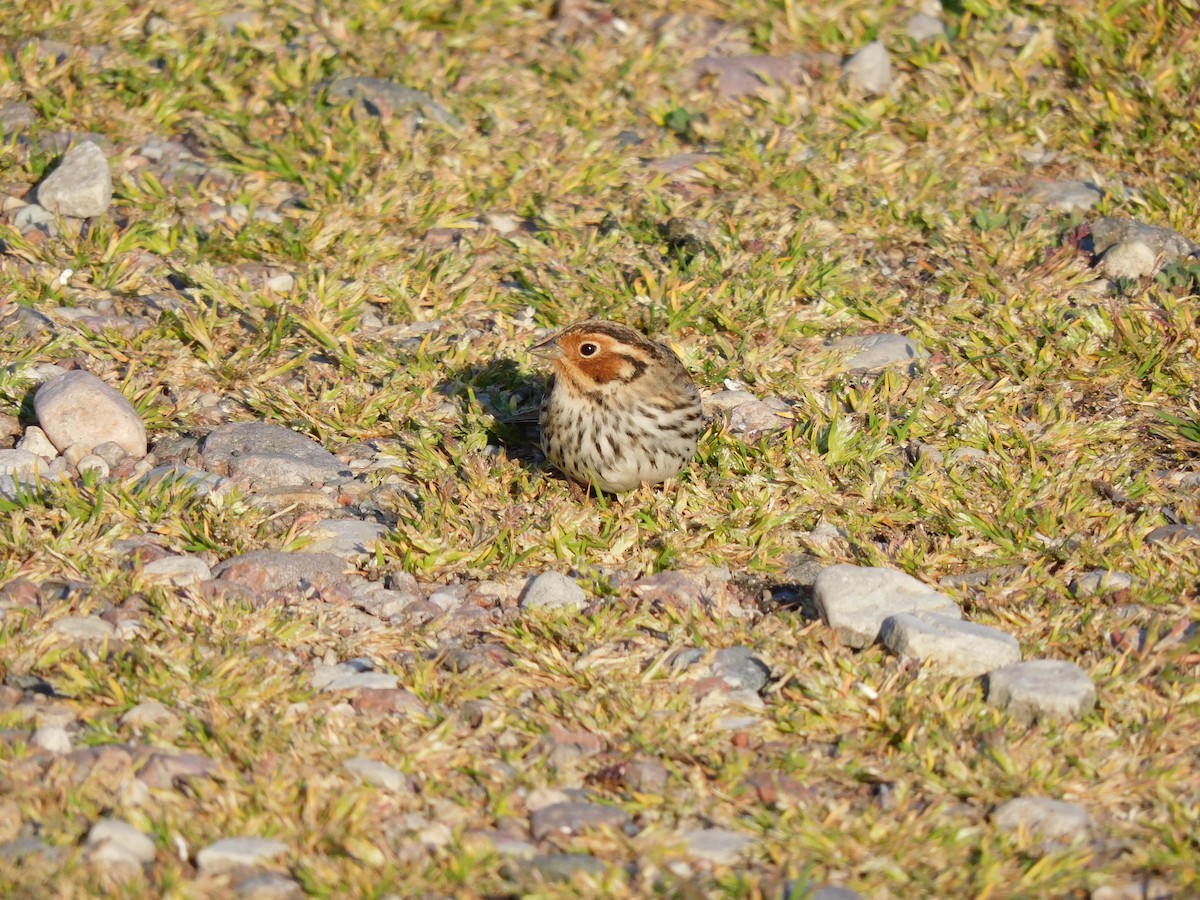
[{"x": 509, "y": 396}]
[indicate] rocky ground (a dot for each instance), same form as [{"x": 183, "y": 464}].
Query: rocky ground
[{"x": 290, "y": 606}]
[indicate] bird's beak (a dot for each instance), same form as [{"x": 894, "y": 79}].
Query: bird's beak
[{"x": 547, "y": 349}]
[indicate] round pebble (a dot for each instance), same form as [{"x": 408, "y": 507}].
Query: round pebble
[{"x": 79, "y": 410}]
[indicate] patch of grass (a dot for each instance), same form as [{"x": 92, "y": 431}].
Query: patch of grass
[{"x": 1066, "y": 416}]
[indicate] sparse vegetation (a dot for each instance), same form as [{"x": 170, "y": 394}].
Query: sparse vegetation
[{"x": 408, "y": 324}]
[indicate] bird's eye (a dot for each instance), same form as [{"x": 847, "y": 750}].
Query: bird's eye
[{"x": 588, "y": 349}]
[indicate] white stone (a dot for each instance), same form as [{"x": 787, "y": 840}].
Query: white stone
[
  {"x": 877, "y": 351},
  {"x": 1100, "y": 581},
  {"x": 923, "y": 27},
  {"x": 180, "y": 571},
  {"x": 552, "y": 590},
  {"x": 79, "y": 408},
  {"x": 149, "y": 713},
  {"x": 84, "y": 628},
  {"x": 232, "y": 854},
  {"x": 964, "y": 649},
  {"x": 855, "y": 600},
  {"x": 75, "y": 453},
  {"x": 52, "y": 739},
  {"x": 1129, "y": 259},
  {"x": 346, "y": 538},
  {"x": 1041, "y": 817},
  {"x": 1042, "y": 689},
  {"x": 22, "y": 463},
  {"x": 35, "y": 441},
  {"x": 93, "y": 463},
  {"x": 116, "y": 842},
  {"x": 379, "y": 774},
  {"x": 719, "y": 846},
  {"x": 80, "y": 186},
  {"x": 870, "y": 69},
  {"x": 32, "y": 215}
]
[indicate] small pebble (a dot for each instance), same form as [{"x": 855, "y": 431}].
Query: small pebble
[
  {"x": 116, "y": 842},
  {"x": 870, "y": 69},
  {"x": 1129, "y": 259},
  {"x": 552, "y": 590},
  {"x": 856, "y": 600},
  {"x": 1042, "y": 689},
  {"x": 232, "y": 854},
  {"x": 180, "y": 571},
  {"x": 719, "y": 846},
  {"x": 81, "y": 184},
  {"x": 36, "y": 442},
  {"x": 1100, "y": 581},
  {"x": 78, "y": 409},
  {"x": 963, "y": 649},
  {"x": 1046, "y": 819},
  {"x": 52, "y": 739},
  {"x": 878, "y": 351}
]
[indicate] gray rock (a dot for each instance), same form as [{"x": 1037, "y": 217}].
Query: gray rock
[
  {"x": 280, "y": 570},
  {"x": 693, "y": 235},
  {"x": 268, "y": 886},
  {"x": 1042, "y": 689},
  {"x": 80, "y": 186},
  {"x": 114, "y": 842},
  {"x": 378, "y": 774},
  {"x": 379, "y": 602},
  {"x": 79, "y": 409},
  {"x": 719, "y": 846},
  {"x": 32, "y": 215},
  {"x": 957, "y": 648},
  {"x": 269, "y": 456},
  {"x": 1100, "y": 581},
  {"x": 552, "y": 590},
  {"x": 573, "y": 817},
  {"x": 1144, "y": 889},
  {"x": 555, "y": 867},
  {"x": 387, "y": 99},
  {"x": 1131, "y": 258},
  {"x": 854, "y": 600},
  {"x": 353, "y": 674},
  {"x": 737, "y": 666},
  {"x": 833, "y": 892},
  {"x": 180, "y": 571},
  {"x": 26, "y": 849},
  {"x": 234, "y": 854},
  {"x": 759, "y": 417},
  {"x": 1065, "y": 196},
  {"x": 725, "y": 401},
  {"x": 919, "y": 451},
  {"x": 15, "y": 117},
  {"x": 23, "y": 464},
  {"x": 35, "y": 441},
  {"x": 1043, "y": 818},
  {"x": 52, "y": 739},
  {"x": 1173, "y": 534},
  {"x": 111, "y": 452},
  {"x": 170, "y": 770},
  {"x": 347, "y": 538},
  {"x": 84, "y": 628},
  {"x": 878, "y": 351},
  {"x": 149, "y": 714},
  {"x": 923, "y": 27},
  {"x": 203, "y": 483},
  {"x": 870, "y": 69},
  {"x": 1167, "y": 244},
  {"x": 740, "y": 76},
  {"x": 449, "y": 597}
]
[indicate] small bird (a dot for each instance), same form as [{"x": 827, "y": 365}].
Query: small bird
[{"x": 620, "y": 410}]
